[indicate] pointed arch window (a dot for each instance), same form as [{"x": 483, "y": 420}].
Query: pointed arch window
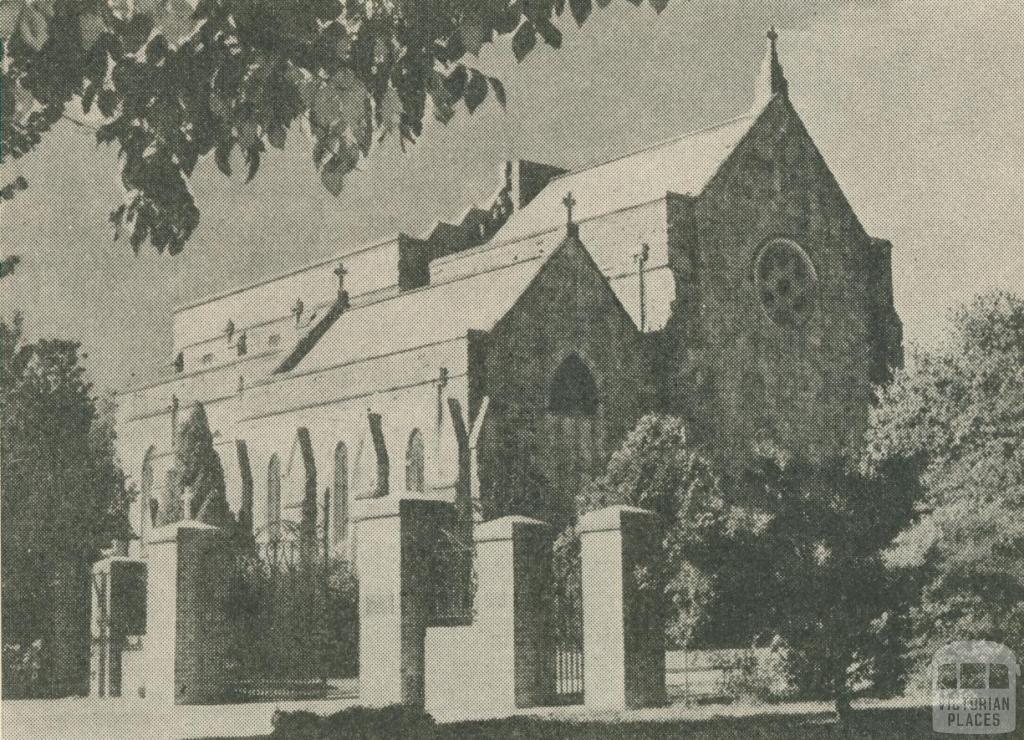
[
  {"x": 340, "y": 513},
  {"x": 274, "y": 499},
  {"x": 573, "y": 389},
  {"x": 414, "y": 454}
]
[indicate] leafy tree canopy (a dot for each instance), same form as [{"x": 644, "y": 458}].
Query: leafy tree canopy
[
  {"x": 961, "y": 406},
  {"x": 659, "y": 468},
  {"x": 63, "y": 497},
  {"x": 841, "y": 606},
  {"x": 803, "y": 558},
  {"x": 175, "y": 84},
  {"x": 200, "y": 470}
]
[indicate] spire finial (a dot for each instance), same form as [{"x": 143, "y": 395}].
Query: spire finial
[
  {"x": 771, "y": 80},
  {"x": 569, "y": 202},
  {"x": 570, "y": 226}
]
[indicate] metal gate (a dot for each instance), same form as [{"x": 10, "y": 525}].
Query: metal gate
[
  {"x": 289, "y": 598},
  {"x": 448, "y": 560},
  {"x": 101, "y": 634},
  {"x": 567, "y": 613}
]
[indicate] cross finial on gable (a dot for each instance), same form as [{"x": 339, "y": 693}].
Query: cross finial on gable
[
  {"x": 771, "y": 81},
  {"x": 341, "y": 272},
  {"x": 569, "y": 202}
]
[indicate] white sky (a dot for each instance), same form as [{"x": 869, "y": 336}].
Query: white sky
[{"x": 917, "y": 106}]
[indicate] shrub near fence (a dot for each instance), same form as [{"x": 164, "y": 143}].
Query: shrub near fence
[
  {"x": 745, "y": 674},
  {"x": 21, "y": 670}
]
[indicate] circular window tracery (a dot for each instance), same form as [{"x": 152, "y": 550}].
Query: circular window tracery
[{"x": 786, "y": 282}]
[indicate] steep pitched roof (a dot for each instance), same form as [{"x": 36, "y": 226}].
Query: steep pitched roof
[
  {"x": 684, "y": 165},
  {"x": 429, "y": 315}
]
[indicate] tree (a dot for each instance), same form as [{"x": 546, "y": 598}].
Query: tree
[
  {"x": 706, "y": 541},
  {"x": 803, "y": 557},
  {"x": 200, "y": 472},
  {"x": 961, "y": 406},
  {"x": 840, "y": 605},
  {"x": 63, "y": 498},
  {"x": 175, "y": 84}
]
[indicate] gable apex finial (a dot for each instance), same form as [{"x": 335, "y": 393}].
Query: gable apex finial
[
  {"x": 771, "y": 81},
  {"x": 570, "y": 226},
  {"x": 569, "y": 202}
]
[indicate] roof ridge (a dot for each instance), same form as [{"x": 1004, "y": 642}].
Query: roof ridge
[
  {"x": 305, "y": 345},
  {"x": 752, "y": 115}
]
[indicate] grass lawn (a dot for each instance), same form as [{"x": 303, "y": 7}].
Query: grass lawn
[
  {"x": 892, "y": 724},
  {"x": 884, "y": 724}
]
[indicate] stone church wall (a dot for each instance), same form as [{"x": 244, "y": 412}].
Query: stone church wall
[
  {"x": 567, "y": 310},
  {"x": 737, "y": 374}
]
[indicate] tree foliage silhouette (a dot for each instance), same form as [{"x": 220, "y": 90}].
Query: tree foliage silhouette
[
  {"x": 175, "y": 84},
  {"x": 63, "y": 498}
]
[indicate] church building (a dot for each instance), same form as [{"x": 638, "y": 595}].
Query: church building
[{"x": 499, "y": 360}]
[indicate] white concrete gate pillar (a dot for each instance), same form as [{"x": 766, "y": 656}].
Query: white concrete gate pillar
[
  {"x": 623, "y": 628},
  {"x": 502, "y": 661},
  {"x": 186, "y": 614},
  {"x": 118, "y": 610},
  {"x": 395, "y": 591}
]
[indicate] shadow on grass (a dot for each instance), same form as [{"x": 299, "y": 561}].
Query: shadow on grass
[
  {"x": 883, "y": 724},
  {"x": 887, "y": 724}
]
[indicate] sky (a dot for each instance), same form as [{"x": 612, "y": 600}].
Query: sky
[{"x": 918, "y": 107}]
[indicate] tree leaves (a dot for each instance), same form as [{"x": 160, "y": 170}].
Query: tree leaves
[
  {"x": 524, "y": 40},
  {"x": 551, "y": 35},
  {"x": 34, "y": 23},
  {"x": 499, "y": 91},
  {"x": 277, "y": 135},
  {"x": 961, "y": 408},
  {"x": 476, "y": 91},
  {"x": 580, "y": 10},
  {"x": 18, "y": 184},
  {"x": 342, "y": 122},
  {"x": 7, "y": 264},
  {"x": 179, "y": 83},
  {"x": 222, "y": 155},
  {"x": 59, "y": 500},
  {"x": 91, "y": 27},
  {"x": 333, "y": 173}
]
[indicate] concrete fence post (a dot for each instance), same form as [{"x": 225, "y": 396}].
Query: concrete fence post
[
  {"x": 501, "y": 661},
  {"x": 395, "y": 591},
  {"x": 118, "y": 610},
  {"x": 623, "y": 628},
  {"x": 186, "y": 614}
]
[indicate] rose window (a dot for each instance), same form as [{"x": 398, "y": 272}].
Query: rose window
[{"x": 786, "y": 282}]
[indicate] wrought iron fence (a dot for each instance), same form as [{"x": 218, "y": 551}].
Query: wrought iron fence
[
  {"x": 295, "y": 620},
  {"x": 567, "y": 615},
  {"x": 451, "y": 580},
  {"x": 287, "y": 553}
]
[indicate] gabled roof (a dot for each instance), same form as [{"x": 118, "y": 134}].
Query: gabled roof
[
  {"x": 684, "y": 165},
  {"x": 428, "y": 315}
]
